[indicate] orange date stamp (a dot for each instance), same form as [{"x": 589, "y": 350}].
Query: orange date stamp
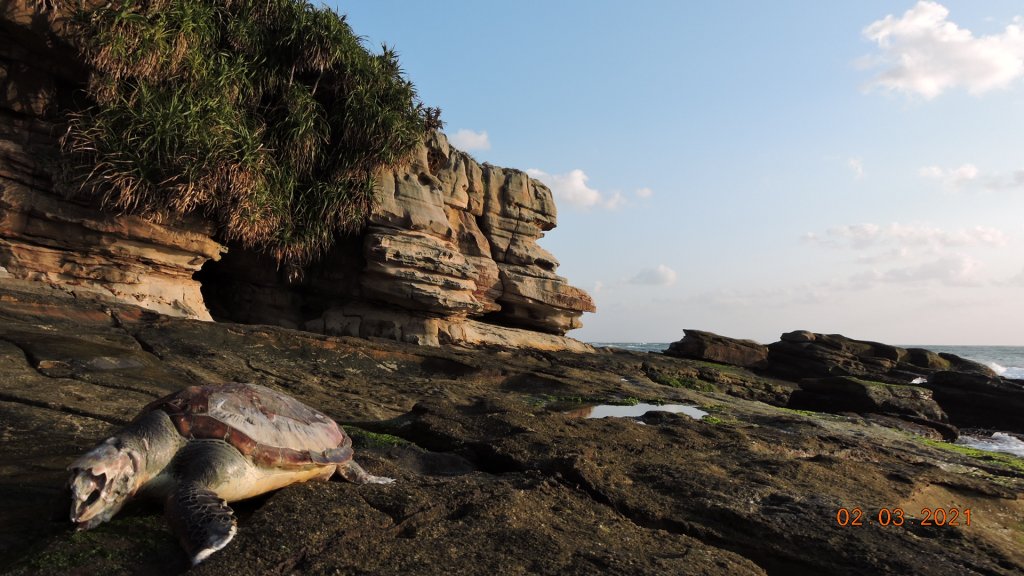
[{"x": 898, "y": 517}]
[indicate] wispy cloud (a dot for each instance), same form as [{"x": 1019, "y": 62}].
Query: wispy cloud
[
  {"x": 1016, "y": 280},
  {"x": 857, "y": 166},
  {"x": 660, "y": 276},
  {"x": 951, "y": 178},
  {"x": 860, "y": 236},
  {"x": 950, "y": 270},
  {"x": 469, "y": 140},
  {"x": 912, "y": 254},
  {"x": 572, "y": 188},
  {"x": 1012, "y": 181},
  {"x": 923, "y": 53},
  {"x": 968, "y": 176},
  {"x": 644, "y": 192}
]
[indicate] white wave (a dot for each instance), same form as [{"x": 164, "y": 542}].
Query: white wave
[
  {"x": 1006, "y": 371},
  {"x": 919, "y": 380},
  {"x": 996, "y": 368},
  {"x": 1013, "y": 372},
  {"x": 998, "y": 442}
]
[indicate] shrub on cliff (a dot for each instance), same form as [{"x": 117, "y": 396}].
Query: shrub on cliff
[{"x": 270, "y": 116}]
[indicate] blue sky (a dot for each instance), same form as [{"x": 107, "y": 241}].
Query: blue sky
[{"x": 750, "y": 168}]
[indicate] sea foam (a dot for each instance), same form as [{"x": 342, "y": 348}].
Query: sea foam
[{"x": 998, "y": 442}]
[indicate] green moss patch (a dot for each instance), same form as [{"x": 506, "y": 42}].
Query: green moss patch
[
  {"x": 363, "y": 439},
  {"x": 999, "y": 458}
]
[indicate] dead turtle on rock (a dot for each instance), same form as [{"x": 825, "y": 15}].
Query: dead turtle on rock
[{"x": 205, "y": 446}]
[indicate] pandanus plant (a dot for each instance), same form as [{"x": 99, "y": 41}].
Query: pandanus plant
[{"x": 269, "y": 116}]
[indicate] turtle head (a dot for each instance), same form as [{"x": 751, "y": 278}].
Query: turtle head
[{"x": 101, "y": 482}]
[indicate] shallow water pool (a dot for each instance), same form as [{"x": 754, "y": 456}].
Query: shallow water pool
[{"x": 636, "y": 410}]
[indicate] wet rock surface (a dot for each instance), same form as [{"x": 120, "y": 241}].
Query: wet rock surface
[
  {"x": 497, "y": 472},
  {"x": 833, "y": 373}
]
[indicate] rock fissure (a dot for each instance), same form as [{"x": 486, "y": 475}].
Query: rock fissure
[{"x": 57, "y": 407}]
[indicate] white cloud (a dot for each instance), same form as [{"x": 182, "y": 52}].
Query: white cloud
[
  {"x": 598, "y": 287},
  {"x": 903, "y": 254},
  {"x": 615, "y": 202},
  {"x": 660, "y": 276},
  {"x": 469, "y": 140},
  {"x": 1011, "y": 181},
  {"x": 857, "y": 165},
  {"x": 952, "y": 178},
  {"x": 901, "y": 236},
  {"x": 1016, "y": 280},
  {"x": 950, "y": 270},
  {"x": 969, "y": 176},
  {"x": 571, "y": 188},
  {"x": 644, "y": 192},
  {"x": 923, "y": 53}
]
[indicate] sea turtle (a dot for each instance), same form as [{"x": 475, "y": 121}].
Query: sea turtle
[{"x": 205, "y": 446}]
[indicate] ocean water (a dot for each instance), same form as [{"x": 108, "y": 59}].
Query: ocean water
[
  {"x": 1007, "y": 361},
  {"x": 633, "y": 346},
  {"x": 996, "y": 442}
]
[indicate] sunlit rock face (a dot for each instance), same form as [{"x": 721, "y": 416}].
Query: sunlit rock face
[
  {"x": 72, "y": 244},
  {"x": 471, "y": 233},
  {"x": 449, "y": 255}
]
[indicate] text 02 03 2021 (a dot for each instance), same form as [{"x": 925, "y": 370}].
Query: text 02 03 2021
[{"x": 898, "y": 516}]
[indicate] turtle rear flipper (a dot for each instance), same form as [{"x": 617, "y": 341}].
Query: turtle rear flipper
[
  {"x": 354, "y": 473},
  {"x": 203, "y": 522}
]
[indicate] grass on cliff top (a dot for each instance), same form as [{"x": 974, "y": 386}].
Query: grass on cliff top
[{"x": 270, "y": 116}]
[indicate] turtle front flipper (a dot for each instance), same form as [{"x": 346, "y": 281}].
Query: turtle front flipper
[
  {"x": 203, "y": 522},
  {"x": 354, "y": 473}
]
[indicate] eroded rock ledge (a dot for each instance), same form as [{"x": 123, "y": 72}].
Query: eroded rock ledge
[
  {"x": 71, "y": 244},
  {"x": 450, "y": 255},
  {"x": 838, "y": 374}
]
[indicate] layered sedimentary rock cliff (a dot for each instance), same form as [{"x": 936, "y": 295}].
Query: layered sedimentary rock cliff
[
  {"x": 72, "y": 244},
  {"x": 450, "y": 254}
]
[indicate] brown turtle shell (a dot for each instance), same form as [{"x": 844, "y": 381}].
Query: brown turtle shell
[{"x": 274, "y": 430}]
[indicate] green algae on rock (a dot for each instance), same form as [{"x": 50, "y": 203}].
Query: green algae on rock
[{"x": 489, "y": 483}]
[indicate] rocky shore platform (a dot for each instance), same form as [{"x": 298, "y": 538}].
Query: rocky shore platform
[{"x": 500, "y": 471}]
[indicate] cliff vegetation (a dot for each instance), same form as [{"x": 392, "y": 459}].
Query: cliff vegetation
[{"x": 270, "y": 117}]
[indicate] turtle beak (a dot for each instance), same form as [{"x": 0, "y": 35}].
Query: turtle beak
[
  {"x": 101, "y": 481},
  {"x": 86, "y": 490}
]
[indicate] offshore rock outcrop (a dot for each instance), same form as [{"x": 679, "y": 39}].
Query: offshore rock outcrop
[
  {"x": 831, "y": 372},
  {"x": 701, "y": 345},
  {"x": 450, "y": 254}
]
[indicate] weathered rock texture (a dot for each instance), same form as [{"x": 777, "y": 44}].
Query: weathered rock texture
[
  {"x": 833, "y": 373},
  {"x": 450, "y": 255},
  {"x": 497, "y": 469},
  {"x": 701, "y": 345},
  {"x": 806, "y": 354},
  {"x": 72, "y": 244}
]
